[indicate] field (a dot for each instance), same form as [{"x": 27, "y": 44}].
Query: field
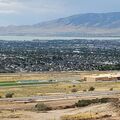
[
  {"x": 49, "y": 89},
  {"x": 35, "y": 84},
  {"x": 70, "y": 75},
  {"x": 40, "y": 76}
]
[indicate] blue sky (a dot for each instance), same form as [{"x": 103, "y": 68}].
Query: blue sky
[{"x": 18, "y": 12}]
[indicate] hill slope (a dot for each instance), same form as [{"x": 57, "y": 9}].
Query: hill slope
[
  {"x": 104, "y": 20},
  {"x": 91, "y": 24}
]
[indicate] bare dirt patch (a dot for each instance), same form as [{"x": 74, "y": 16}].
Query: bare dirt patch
[{"x": 99, "y": 110}]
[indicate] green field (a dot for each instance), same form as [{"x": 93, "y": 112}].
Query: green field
[{"x": 25, "y": 82}]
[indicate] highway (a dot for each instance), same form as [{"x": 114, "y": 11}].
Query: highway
[{"x": 62, "y": 96}]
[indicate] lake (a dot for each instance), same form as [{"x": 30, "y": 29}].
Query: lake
[{"x": 29, "y": 38}]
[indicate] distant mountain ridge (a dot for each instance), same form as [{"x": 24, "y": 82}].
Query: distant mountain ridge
[
  {"x": 90, "y": 24},
  {"x": 88, "y": 20}
]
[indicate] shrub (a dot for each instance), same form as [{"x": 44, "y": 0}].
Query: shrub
[
  {"x": 111, "y": 89},
  {"x": 74, "y": 90},
  {"x": 42, "y": 107},
  {"x": 105, "y": 100},
  {"x": 93, "y": 101},
  {"x": 84, "y": 90},
  {"x": 74, "y": 85},
  {"x": 83, "y": 103},
  {"x": 91, "y": 89},
  {"x": 9, "y": 95},
  {"x": 69, "y": 106}
]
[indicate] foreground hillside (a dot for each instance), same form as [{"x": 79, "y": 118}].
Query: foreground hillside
[
  {"x": 63, "y": 97},
  {"x": 106, "y": 111}
]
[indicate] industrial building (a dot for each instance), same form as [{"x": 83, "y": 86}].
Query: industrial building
[{"x": 102, "y": 77}]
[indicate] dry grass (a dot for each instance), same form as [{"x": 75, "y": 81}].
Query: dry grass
[
  {"x": 40, "y": 76},
  {"x": 70, "y": 75},
  {"x": 82, "y": 116},
  {"x": 22, "y": 91},
  {"x": 57, "y": 88},
  {"x": 99, "y": 111},
  {"x": 9, "y": 115}
]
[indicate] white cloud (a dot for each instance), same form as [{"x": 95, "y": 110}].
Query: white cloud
[
  {"x": 31, "y": 11},
  {"x": 10, "y": 6},
  {"x": 31, "y": 6}
]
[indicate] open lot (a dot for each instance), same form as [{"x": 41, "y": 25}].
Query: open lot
[
  {"x": 66, "y": 75},
  {"x": 40, "y": 83},
  {"x": 58, "y": 88}
]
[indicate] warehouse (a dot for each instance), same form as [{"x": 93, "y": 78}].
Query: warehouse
[{"x": 102, "y": 77}]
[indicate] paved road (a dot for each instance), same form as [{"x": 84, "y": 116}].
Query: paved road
[{"x": 62, "y": 97}]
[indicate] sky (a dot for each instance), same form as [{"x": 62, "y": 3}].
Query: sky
[{"x": 28, "y": 12}]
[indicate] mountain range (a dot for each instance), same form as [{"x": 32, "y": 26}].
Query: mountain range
[{"x": 90, "y": 24}]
